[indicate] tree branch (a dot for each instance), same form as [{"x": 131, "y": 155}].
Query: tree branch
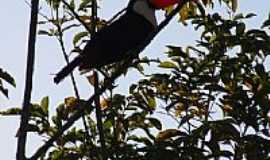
[
  {"x": 22, "y": 133},
  {"x": 99, "y": 118},
  {"x": 96, "y": 89},
  {"x": 107, "y": 83}
]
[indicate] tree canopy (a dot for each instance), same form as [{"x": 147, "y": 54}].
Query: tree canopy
[{"x": 216, "y": 91}]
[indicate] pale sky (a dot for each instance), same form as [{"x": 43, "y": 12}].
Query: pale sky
[{"x": 14, "y": 17}]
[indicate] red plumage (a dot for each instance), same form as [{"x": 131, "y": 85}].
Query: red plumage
[{"x": 163, "y": 3}]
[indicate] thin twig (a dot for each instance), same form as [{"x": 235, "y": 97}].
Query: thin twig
[
  {"x": 116, "y": 15},
  {"x": 22, "y": 135}
]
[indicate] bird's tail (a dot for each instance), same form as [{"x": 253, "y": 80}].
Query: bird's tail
[{"x": 67, "y": 69}]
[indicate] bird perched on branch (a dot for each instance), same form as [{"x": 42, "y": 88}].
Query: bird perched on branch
[{"x": 112, "y": 43}]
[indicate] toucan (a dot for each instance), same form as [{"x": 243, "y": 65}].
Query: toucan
[{"x": 112, "y": 43}]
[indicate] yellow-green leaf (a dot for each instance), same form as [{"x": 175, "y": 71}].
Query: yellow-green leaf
[
  {"x": 151, "y": 102},
  {"x": 167, "y": 64},
  {"x": 71, "y": 102},
  {"x": 184, "y": 13},
  {"x": 45, "y": 104}
]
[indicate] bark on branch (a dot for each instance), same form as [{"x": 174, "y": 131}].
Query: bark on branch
[{"x": 22, "y": 132}]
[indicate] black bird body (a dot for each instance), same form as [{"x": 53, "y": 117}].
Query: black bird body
[{"x": 112, "y": 42}]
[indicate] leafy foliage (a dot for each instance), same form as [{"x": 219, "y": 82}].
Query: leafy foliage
[
  {"x": 225, "y": 72},
  {"x": 216, "y": 91}
]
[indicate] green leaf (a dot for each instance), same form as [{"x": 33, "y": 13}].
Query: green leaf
[
  {"x": 84, "y": 4},
  {"x": 72, "y": 4},
  {"x": 167, "y": 64},
  {"x": 156, "y": 123},
  {"x": 4, "y": 91},
  {"x": 132, "y": 88},
  {"x": 266, "y": 23},
  {"x": 140, "y": 68},
  {"x": 45, "y": 104},
  {"x": 240, "y": 28},
  {"x": 32, "y": 128},
  {"x": 259, "y": 68},
  {"x": 42, "y": 32},
  {"x": 54, "y": 3},
  {"x": 250, "y": 15},
  {"x": 108, "y": 124},
  {"x": 176, "y": 51},
  {"x": 79, "y": 36},
  {"x": 7, "y": 77},
  {"x": 224, "y": 130},
  {"x": 151, "y": 102},
  {"x": 11, "y": 112},
  {"x": 238, "y": 16}
]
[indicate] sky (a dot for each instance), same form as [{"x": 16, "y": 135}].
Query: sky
[{"x": 14, "y": 28}]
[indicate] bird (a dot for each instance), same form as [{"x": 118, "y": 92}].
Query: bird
[{"x": 112, "y": 43}]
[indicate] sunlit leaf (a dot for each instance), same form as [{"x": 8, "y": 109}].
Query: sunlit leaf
[
  {"x": 169, "y": 9},
  {"x": 71, "y": 102},
  {"x": 91, "y": 79},
  {"x": 108, "y": 124},
  {"x": 151, "y": 102},
  {"x": 184, "y": 13},
  {"x": 167, "y": 64},
  {"x": 104, "y": 104}
]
